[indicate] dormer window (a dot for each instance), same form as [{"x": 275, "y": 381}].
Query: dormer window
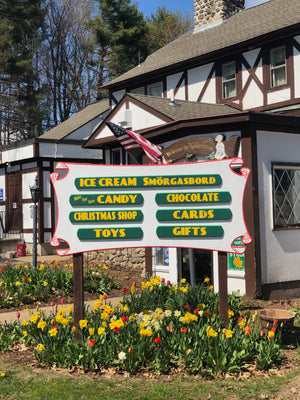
[
  {"x": 278, "y": 66},
  {"x": 140, "y": 90},
  {"x": 229, "y": 79},
  {"x": 155, "y": 89}
]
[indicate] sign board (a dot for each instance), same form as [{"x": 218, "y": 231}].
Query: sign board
[
  {"x": 1, "y": 195},
  {"x": 193, "y": 205},
  {"x": 236, "y": 262}
]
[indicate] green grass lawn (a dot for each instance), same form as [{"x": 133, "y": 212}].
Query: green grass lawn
[{"x": 28, "y": 383}]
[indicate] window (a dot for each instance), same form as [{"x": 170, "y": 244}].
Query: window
[
  {"x": 161, "y": 256},
  {"x": 140, "y": 90},
  {"x": 116, "y": 156},
  {"x": 155, "y": 89},
  {"x": 286, "y": 196},
  {"x": 229, "y": 79},
  {"x": 278, "y": 66}
]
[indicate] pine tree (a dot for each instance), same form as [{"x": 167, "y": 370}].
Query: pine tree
[
  {"x": 165, "y": 26},
  {"x": 120, "y": 31},
  {"x": 20, "y": 33}
]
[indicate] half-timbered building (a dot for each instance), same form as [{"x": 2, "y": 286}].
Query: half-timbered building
[
  {"x": 237, "y": 73},
  {"x": 22, "y": 162}
]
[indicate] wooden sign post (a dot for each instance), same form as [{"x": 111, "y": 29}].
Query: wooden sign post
[
  {"x": 78, "y": 294},
  {"x": 223, "y": 287}
]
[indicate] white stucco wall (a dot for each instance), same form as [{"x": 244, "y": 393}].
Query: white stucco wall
[
  {"x": 172, "y": 82},
  {"x": 27, "y": 216},
  {"x": 17, "y": 153},
  {"x": 279, "y": 95},
  {"x": 47, "y": 184},
  {"x": 85, "y": 131},
  {"x": 55, "y": 150},
  {"x": 27, "y": 181},
  {"x": 297, "y": 68},
  {"x": 253, "y": 96},
  {"x": 280, "y": 250},
  {"x": 143, "y": 119},
  {"x": 197, "y": 78},
  {"x": 2, "y": 182}
]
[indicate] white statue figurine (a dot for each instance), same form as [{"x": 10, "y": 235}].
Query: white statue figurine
[{"x": 220, "y": 148}]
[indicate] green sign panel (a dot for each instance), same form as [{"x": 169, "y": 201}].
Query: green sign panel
[
  {"x": 109, "y": 233},
  {"x": 236, "y": 262},
  {"x": 111, "y": 199},
  {"x": 105, "y": 216},
  {"x": 121, "y": 182},
  {"x": 194, "y": 214},
  {"x": 192, "y": 197},
  {"x": 189, "y": 231}
]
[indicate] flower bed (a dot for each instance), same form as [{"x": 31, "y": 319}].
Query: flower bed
[
  {"x": 160, "y": 328},
  {"x": 23, "y": 284}
]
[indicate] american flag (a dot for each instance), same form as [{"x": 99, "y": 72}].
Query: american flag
[{"x": 133, "y": 141}]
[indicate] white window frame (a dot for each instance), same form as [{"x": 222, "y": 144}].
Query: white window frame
[
  {"x": 161, "y": 257},
  {"x": 276, "y": 69},
  {"x": 228, "y": 81},
  {"x": 286, "y": 196}
]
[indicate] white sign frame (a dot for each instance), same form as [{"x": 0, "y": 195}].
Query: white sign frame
[{"x": 193, "y": 180}]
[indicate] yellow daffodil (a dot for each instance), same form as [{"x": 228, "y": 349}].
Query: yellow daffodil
[
  {"x": 41, "y": 324},
  {"x": 101, "y": 331},
  {"x": 91, "y": 331},
  {"x": 83, "y": 323}
]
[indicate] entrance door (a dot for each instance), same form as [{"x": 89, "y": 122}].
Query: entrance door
[
  {"x": 203, "y": 265},
  {"x": 14, "y": 219}
]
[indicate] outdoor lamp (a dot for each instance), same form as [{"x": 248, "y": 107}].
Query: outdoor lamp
[{"x": 35, "y": 191}]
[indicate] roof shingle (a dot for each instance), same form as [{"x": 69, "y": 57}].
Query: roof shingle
[
  {"x": 183, "y": 109},
  {"x": 64, "y": 129},
  {"x": 241, "y": 27}
]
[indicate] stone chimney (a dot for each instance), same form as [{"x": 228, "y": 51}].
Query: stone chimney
[{"x": 214, "y": 11}]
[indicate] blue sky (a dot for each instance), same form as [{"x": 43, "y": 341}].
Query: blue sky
[{"x": 150, "y": 6}]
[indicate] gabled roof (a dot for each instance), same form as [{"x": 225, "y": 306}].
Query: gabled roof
[
  {"x": 63, "y": 130},
  {"x": 163, "y": 108},
  {"x": 182, "y": 109},
  {"x": 244, "y": 27}
]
